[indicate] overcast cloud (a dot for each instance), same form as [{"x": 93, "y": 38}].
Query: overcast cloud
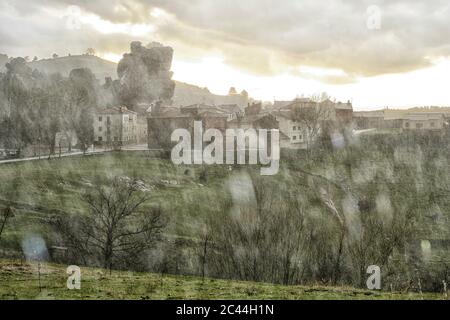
[{"x": 261, "y": 37}]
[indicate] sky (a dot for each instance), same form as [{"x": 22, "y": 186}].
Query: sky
[{"x": 378, "y": 53}]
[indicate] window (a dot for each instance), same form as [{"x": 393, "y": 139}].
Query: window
[
  {"x": 407, "y": 124},
  {"x": 100, "y": 119},
  {"x": 419, "y": 125},
  {"x": 294, "y": 128},
  {"x": 294, "y": 138},
  {"x": 432, "y": 124},
  {"x": 100, "y": 129},
  {"x": 100, "y": 139},
  {"x": 116, "y": 139},
  {"x": 300, "y": 137}
]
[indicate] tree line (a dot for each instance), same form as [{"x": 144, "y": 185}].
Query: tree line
[{"x": 35, "y": 107}]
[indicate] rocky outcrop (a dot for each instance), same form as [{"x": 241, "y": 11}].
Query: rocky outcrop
[{"x": 145, "y": 74}]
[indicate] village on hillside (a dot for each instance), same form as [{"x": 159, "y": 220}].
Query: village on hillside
[
  {"x": 224, "y": 156},
  {"x": 141, "y": 121},
  {"x": 349, "y": 194},
  {"x": 296, "y": 132}
]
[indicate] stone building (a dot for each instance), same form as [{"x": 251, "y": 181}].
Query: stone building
[
  {"x": 162, "y": 122},
  {"x": 115, "y": 126},
  {"x": 368, "y": 119},
  {"x": 423, "y": 121},
  {"x": 296, "y": 133},
  {"x": 399, "y": 119}
]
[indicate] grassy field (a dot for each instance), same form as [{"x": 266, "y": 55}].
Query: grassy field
[
  {"x": 38, "y": 190},
  {"x": 20, "y": 280}
]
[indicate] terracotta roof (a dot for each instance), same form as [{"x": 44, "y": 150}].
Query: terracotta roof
[
  {"x": 214, "y": 114},
  {"x": 343, "y": 106},
  {"x": 368, "y": 114},
  {"x": 399, "y": 115},
  {"x": 424, "y": 116},
  {"x": 185, "y": 112},
  {"x": 202, "y": 109},
  {"x": 283, "y": 113},
  {"x": 305, "y": 102},
  {"x": 281, "y": 104},
  {"x": 230, "y": 108},
  {"x": 170, "y": 112},
  {"x": 284, "y": 136},
  {"x": 115, "y": 110}
]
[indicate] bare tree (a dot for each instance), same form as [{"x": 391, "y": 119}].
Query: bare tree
[
  {"x": 312, "y": 116},
  {"x": 90, "y": 51},
  {"x": 340, "y": 217},
  {"x": 260, "y": 242},
  {"x": 115, "y": 228},
  {"x": 203, "y": 250},
  {"x": 5, "y": 215}
]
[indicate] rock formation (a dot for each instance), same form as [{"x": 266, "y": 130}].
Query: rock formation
[{"x": 145, "y": 74}]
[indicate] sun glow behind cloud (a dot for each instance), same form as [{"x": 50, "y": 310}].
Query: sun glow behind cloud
[
  {"x": 421, "y": 87},
  {"x": 107, "y": 27},
  {"x": 321, "y": 71},
  {"x": 111, "y": 57},
  {"x": 426, "y": 86},
  {"x": 213, "y": 73},
  {"x": 76, "y": 18}
]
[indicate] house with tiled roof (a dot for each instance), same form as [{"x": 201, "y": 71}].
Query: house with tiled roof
[
  {"x": 293, "y": 134},
  {"x": 115, "y": 126},
  {"x": 164, "y": 121},
  {"x": 400, "y": 119},
  {"x": 423, "y": 121},
  {"x": 297, "y": 135}
]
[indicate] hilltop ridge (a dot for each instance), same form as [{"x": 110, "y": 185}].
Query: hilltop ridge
[
  {"x": 185, "y": 94},
  {"x": 63, "y": 65}
]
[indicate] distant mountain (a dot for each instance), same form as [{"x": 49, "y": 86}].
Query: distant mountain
[
  {"x": 188, "y": 94},
  {"x": 393, "y": 111}
]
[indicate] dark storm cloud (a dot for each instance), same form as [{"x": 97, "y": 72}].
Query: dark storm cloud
[{"x": 260, "y": 36}]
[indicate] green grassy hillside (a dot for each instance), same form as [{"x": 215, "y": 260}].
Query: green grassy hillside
[
  {"x": 21, "y": 281},
  {"x": 39, "y": 190},
  {"x": 386, "y": 189},
  {"x": 63, "y": 65}
]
